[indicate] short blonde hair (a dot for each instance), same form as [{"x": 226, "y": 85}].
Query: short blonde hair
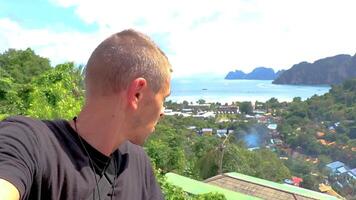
[{"x": 123, "y": 57}]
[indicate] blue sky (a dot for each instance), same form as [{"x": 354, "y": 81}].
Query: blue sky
[
  {"x": 199, "y": 37},
  {"x": 36, "y": 14}
]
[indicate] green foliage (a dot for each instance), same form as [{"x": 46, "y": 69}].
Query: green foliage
[
  {"x": 246, "y": 107},
  {"x": 352, "y": 132},
  {"x": 169, "y": 191},
  {"x": 56, "y": 93},
  {"x": 349, "y": 85},
  {"x": 172, "y": 192},
  {"x": 310, "y": 182},
  {"x": 302, "y": 119},
  {"x": 201, "y": 101},
  {"x": 298, "y": 109},
  {"x": 308, "y": 143},
  {"x": 272, "y": 104},
  {"x": 172, "y": 105},
  {"x": 5, "y": 85},
  {"x": 199, "y": 157},
  {"x": 29, "y": 86},
  {"x": 22, "y": 65},
  {"x": 299, "y": 167},
  {"x": 261, "y": 163},
  {"x": 10, "y": 97},
  {"x": 165, "y": 149},
  {"x": 210, "y": 196}
]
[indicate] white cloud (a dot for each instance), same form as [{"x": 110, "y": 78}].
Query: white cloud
[
  {"x": 208, "y": 35},
  {"x": 59, "y": 47}
]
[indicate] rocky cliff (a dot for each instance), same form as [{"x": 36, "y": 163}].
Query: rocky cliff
[{"x": 330, "y": 70}]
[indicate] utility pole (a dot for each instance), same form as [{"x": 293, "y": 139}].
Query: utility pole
[{"x": 222, "y": 149}]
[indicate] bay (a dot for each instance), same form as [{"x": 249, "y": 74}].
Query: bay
[{"x": 227, "y": 91}]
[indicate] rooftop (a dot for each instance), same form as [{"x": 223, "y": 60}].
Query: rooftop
[
  {"x": 353, "y": 171},
  {"x": 197, "y": 187},
  {"x": 335, "y": 165},
  {"x": 341, "y": 170},
  {"x": 272, "y": 126},
  {"x": 238, "y": 186},
  {"x": 263, "y": 188}
]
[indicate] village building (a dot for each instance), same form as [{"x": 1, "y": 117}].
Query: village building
[
  {"x": 277, "y": 141},
  {"x": 169, "y": 112},
  {"x": 294, "y": 181},
  {"x": 199, "y": 107},
  {"x": 221, "y": 132},
  {"x": 334, "y": 166},
  {"x": 204, "y": 115},
  {"x": 187, "y": 110},
  {"x": 272, "y": 126},
  {"x": 228, "y": 109},
  {"x": 320, "y": 134},
  {"x": 352, "y": 173},
  {"x": 192, "y": 128},
  {"x": 207, "y": 131}
]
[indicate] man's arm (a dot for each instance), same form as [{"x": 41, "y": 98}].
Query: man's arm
[
  {"x": 18, "y": 158},
  {"x": 8, "y": 191}
]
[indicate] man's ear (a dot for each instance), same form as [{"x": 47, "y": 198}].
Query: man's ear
[{"x": 135, "y": 91}]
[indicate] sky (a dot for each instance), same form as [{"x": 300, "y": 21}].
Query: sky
[{"x": 200, "y": 37}]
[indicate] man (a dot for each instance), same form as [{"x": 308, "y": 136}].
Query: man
[{"x": 127, "y": 80}]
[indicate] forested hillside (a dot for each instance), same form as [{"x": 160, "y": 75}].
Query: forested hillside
[{"x": 331, "y": 70}]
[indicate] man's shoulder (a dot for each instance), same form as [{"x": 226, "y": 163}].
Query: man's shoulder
[
  {"x": 20, "y": 125},
  {"x": 135, "y": 154},
  {"x": 21, "y": 120},
  {"x": 130, "y": 148}
]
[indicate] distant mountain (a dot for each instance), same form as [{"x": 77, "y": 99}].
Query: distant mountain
[
  {"x": 259, "y": 73},
  {"x": 330, "y": 70},
  {"x": 235, "y": 75},
  {"x": 278, "y": 73}
]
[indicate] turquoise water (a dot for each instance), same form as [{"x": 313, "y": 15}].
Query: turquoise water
[{"x": 227, "y": 91}]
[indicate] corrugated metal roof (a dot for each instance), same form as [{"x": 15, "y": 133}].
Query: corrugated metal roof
[
  {"x": 239, "y": 186},
  {"x": 353, "y": 171},
  {"x": 341, "y": 170},
  {"x": 335, "y": 165},
  {"x": 197, "y": 187},
  {"x": 283, "y": 187}
]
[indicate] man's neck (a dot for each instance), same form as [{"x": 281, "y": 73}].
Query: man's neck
[{"x": 98, "y": 131}]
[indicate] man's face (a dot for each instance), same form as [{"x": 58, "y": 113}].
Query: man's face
[{"x": 150, "y": 111}]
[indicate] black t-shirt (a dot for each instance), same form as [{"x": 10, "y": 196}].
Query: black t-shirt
[{"x": 47, "y": 161}]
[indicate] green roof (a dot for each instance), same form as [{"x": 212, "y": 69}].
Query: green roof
[
  {"x": 197, "y": 187},
  {"x": 283, "y": 187}
]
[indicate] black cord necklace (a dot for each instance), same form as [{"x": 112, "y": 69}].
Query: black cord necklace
[{"x": 92, "y": 163}]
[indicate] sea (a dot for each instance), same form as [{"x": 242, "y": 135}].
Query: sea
[{"x": 228, "y": 91}]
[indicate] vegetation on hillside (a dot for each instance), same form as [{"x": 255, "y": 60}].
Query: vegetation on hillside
[{"x": 29, "y": 86}]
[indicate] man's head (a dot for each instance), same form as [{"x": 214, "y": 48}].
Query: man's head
[
  {"x": 121, "y": 58},
  {"x": 130, "y": 68}
]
